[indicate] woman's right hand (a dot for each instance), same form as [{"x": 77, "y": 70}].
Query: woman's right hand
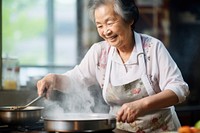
[{"x": 46, "y": 85}]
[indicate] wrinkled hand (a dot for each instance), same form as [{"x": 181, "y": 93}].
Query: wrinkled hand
[
  {"x": 46, "y": 85},
  {"x": 129, "y": 111}
]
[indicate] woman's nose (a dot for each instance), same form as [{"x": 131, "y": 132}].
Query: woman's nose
[{"x": 107, "y": 31}]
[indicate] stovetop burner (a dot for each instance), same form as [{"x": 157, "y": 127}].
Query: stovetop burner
[{"x": 38, "y": 126}]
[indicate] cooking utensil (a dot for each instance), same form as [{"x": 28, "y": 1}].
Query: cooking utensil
[
  {"x": 79, "y": 122},
  {"x": 23, "y": 107},
  {"x": 26, "y": 116}
]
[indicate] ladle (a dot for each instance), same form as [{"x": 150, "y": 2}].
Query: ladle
[{"x": 25, "y": 106}]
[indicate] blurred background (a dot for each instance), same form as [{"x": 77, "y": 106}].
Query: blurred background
[{"x": 52, "y": 36}]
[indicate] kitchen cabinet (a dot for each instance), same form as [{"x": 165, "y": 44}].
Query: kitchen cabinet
[{"x": 154, "y": 19}]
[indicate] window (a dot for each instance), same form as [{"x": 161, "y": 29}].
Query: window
[{"x": 41, "y": 34}]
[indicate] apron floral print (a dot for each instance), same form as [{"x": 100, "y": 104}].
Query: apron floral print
[
  {"x": 115, "y": 96},
  {"x": 157, "y": 121}
]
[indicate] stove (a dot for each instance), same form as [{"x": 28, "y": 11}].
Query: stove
[{"x": 38, "y": 127}]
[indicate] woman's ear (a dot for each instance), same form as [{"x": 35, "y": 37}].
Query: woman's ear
[{"x": 131, "y": 24}]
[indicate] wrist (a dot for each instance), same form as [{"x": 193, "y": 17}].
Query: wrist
[{"x": 145, "y": 104}]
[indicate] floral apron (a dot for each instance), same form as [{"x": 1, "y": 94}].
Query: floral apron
[{"x": 155, "y": 121}]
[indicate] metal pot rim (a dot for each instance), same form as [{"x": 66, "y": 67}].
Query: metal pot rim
[
  {"x": 79, "y": 117},
  {"x": 29, "y": 108}
]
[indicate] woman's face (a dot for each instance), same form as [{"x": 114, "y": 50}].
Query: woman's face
[{"x": 111, "y": 27}]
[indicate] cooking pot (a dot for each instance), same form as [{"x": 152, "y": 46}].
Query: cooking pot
[
  {"x": 79, "y": 122},
  {"x": 27, "y": 116}
]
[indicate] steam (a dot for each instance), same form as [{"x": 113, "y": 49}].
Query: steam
[{"x": 76, "y": 100}]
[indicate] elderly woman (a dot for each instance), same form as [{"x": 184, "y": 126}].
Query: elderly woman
[{"x": 140, "y": 80}]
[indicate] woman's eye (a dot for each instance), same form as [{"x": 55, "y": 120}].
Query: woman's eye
[
  {"x": 110, "y": 23},
  {"x": 99, "y": 26}
]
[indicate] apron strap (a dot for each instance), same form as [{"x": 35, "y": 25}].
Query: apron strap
[
  {"x": 142, "y": 65},
  {"x": 107, "y": 73}
]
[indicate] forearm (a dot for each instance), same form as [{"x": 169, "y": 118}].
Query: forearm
[
  {"x": 62, "y": 82},
  {"x": 161, "y": 100}
]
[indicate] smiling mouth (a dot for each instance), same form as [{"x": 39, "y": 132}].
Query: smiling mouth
[{"x": 112, "y": 38}]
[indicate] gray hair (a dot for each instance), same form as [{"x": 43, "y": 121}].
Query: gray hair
[{"x": 127, "y": 9}]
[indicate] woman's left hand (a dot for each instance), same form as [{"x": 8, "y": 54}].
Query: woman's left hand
[{"x": 129, "y": 111}]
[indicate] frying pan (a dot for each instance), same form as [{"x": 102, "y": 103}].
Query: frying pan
[
  {"x": 79, "y": 122},
  {"x": 26, "y": 116}
]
